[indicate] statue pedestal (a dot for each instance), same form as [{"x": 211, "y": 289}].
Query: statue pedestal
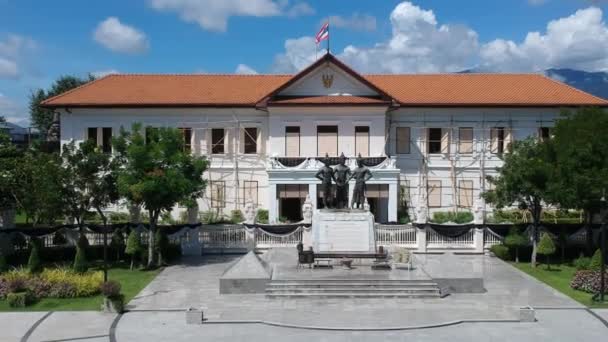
[{"x": 343, "y": 230}]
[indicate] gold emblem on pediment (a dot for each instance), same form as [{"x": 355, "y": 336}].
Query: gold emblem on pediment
[{"x": 328, "y": 80}]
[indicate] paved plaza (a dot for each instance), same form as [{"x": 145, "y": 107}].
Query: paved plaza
[{"x": 156, "y": 314}]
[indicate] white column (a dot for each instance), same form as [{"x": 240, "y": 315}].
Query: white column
[
  {"x": 421, "y": 238},
  {"x": 478, "y": 240},
  {"x": 393, "y": 198},
  {"x": 312, "y": 192},
  {"x": 273, "y": 207}
]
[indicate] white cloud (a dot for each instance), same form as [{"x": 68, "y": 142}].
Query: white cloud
[
  {"x": 102, "y": 73},
  {"x": 8, "y": 68},
  {"x": 299, "y": 53},
  {"x": 245, "y": 69},
  {"x": 579, "y": 41},
  {"x": 357, "y": 22},
  {"x": 12, "y": 52},
  {"x": 118, "y": 37},
  {"x": 213, "y": 15}
]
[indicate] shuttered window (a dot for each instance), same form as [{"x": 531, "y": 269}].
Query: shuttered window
[
  {"x": 434, "y": 193},
  {"x": 218, "y": 194},
  {"x": 435, "y": 140},
  {"x": 217, "y": 140},
  {"x": 250, "y": 192},
  {"x": 102, "y": 136},
  {"x": 465, "y": 140},
  {"x": 403, "y": 140},
  {"x": 377, "y": 191},
  {"x": 292, "y": 190},
  {"x": 187, "y": 135},
  {"x": 292, "y": 141},
  {"x": 250, "y": 140},
  {"x": 501, "y": 139},
  {"x": 465, "y": 193},
  {"x": 327, "y": 141},
  {"x": 362, "y": 141}
]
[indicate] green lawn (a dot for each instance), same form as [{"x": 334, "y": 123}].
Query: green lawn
[
  {"x": 132, "y": 282},
  {"x": 559, "y": 278}
]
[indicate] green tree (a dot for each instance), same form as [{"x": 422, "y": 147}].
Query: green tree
[
  {"x": 133, "y": 246},
  {"x": 9, "y": 156},
  {"x": 37, "y": 187},
  {"x": 42, "y": 118},
  {"x": 157, "y": 173},
  {"x": 34, "y": 264},
  {"x": 515, "y": 239},
  {"x": 580, "y": 154},
  {"x": 596, "y": 261},
  {"x": 523, "y": 179},
  {"x": 546, "y": 247}
]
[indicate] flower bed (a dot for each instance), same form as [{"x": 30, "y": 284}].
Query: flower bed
[
  {"x": 51, "y": 283},
  {"x": 588, "y": 281}
]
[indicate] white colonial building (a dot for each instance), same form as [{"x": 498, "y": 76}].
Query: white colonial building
[{"x": 430, "y": 140}]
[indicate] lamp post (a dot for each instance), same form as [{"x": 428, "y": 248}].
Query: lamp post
[{"x": 603, "y": 252}]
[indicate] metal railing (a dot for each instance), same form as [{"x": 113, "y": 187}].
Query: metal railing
[{"x": 395, "y": 235}]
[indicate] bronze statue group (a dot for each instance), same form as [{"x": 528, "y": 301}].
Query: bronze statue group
[{"x": 341, "y": 175}]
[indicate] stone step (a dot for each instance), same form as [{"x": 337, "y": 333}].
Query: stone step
[
  {"x": 362, "y": 286},
  {"x": 352, "y": 295},
  {"x": 354, "y": 290}
]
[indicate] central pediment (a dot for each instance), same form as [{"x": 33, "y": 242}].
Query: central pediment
[{"x": 328, "y": 81}]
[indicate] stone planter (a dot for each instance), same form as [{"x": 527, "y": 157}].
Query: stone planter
[{"x": 114, "y": 304}]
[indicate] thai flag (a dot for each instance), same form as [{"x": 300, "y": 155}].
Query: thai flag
[{"x": 323, "y": 33}]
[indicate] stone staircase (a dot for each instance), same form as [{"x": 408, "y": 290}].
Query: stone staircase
[{"x": 352, "y": 288}]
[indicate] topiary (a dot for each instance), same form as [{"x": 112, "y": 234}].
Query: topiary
[
  {"x": 161, "y": 246},
  {"x": 515, "y": 240},
  {"x": 596, "y": 260},
  {"x": 261, "y": 216},
  {"x": 581, "y": 263},
  {"x": 19, "y": 299},
  {"x": 501, "y": 252},
  {"x": 133, "y": 247},
  {"x": 236, "y": 216},
  {"x": 80, "y": 260},
  {"x": 34, "y": 264},
  {"x": 546, "y": 247}
]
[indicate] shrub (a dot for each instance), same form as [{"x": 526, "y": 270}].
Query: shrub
[
  {"x": 546, "y": 247},
  {"x": 133, "y": 247},
  {"x": 110, "y": 289},
  {"x": 581, "y": 263},
  {"x": 515, "y": 240},
  {"x": 261, "y": 216},
  {"x": 72, "y": 283},
  {"x": 119, "y": 217},
  {"x": 236, "y": 216},
  {"x": 34, "y": 265},
  {"x": 3, "y": 288},
  {"x": 80, "y": 260},
  {"x": 596, "y": 261},
  {"x": 588, "y": 281},
  {"x": 460, "y": 217},
  {"x": 40, "y": 288},
  {"x": 212, "y": 217},
  {"x": 501, "y": 251},
  {"x": 19, "y": 299}
]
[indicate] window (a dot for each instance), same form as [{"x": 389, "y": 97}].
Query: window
[
  {"x": 465, "y": 140},
  {"x": 187, "y": 135},
  {"x": 362, "y": 141},
  {"x": 217, "y": 141},
  {"x": 500, "y": 139},
  {"x": 403, "y": 140},
  {"x": 434, "y": 194},
  {"x": 292, "y": 141},
  {"x": 218, "y": 194},
  {"x": 327, "y": 141},
  {"x": 465, "y": 193},
  {"x": 435, "y": 143},
  {"x": 292, "y": 190},
  {"x": 544, "y": 133},
  {"x": 251, "y": 140},
  {"x": 102, "y": 136},
  {"x": 250, "y": 192}
]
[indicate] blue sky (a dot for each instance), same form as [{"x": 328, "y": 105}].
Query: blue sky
[{"x": 40, "y": 40}]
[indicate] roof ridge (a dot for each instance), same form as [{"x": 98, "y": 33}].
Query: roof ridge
[
  {"x": 195, "y": 74},
  {"x": 74, "y": 89},
  {"x": 459, "y": 74},
  {"x": 573, "y": 88}
]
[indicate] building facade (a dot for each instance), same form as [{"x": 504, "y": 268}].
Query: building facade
[{"x": 429, "y": 140}]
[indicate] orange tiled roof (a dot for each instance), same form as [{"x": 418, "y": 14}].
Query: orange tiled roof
[
  {"x": 249, "y": 90},
  {"x": 321, "y": 100}
]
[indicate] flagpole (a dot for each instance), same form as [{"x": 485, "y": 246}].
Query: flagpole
[{"x": 328, "y": 35}]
